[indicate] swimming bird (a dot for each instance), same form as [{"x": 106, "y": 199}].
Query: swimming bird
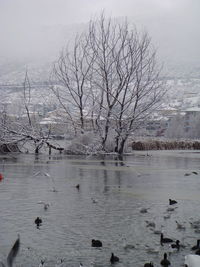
[
  {"x": 192, "y": 261},
  {"x": 167, "y": 216},
  {"x": 41, "y": 173},
  {"x": 38, "y": 221},
  {"x": 94, "y": 200},
  {"x": 78, "y": 186},
  {"x": 165, "y": 262},
  {"x": 156, "y": 232},
  {"x": 127, "y": 246},
  {"x": 150, "y": 264},
  {"x": 176, "y": 245},
  {"x": 197, "y": 252},
  {"x": 60, "y": 264},
  {"x": 13, "y": 253},
  {"x": 46, "y": 205},
  {"x": 54, "y": 189},
  {"x": 143, "y": 210},
  {"x": 96, "y": 243},
  {"x": 113, "y": 258},
  {"x": 180, "y": 226},
  {"x": 197, "y": 246},
  {"x": 195, "y": 173},
  {"x": 187, "y": 174},
  {"x": 195, "y": 225},
  {"x": 172, "y": 202},
  {"x": 171, "y": 209},
  {"x": 150, "y": 224},
  {"x": 41, "y": 263},
  {"x": 165, "y": 239}
]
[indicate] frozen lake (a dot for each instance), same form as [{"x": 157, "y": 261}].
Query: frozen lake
[{"x": 120, "y": 190}]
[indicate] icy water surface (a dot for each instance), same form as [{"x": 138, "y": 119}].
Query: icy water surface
[{"x": 106, "y": 207}]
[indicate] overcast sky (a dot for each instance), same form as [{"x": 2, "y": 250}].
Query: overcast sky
[{"x": 173, "y": 24}]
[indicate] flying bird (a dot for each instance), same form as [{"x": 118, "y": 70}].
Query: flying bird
[{"x": 13, "y": 253}]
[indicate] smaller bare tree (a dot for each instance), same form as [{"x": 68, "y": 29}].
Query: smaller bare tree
[{"x": 71, "y": 73}]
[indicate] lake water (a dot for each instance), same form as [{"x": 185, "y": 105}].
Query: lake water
[{"x": 106, "y": 207}]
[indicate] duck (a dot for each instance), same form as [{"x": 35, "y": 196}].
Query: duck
[
  {"x": 172, "y": 202},
  {"x": 192, "y": 260},
  {"x": 197, "y": 246},
  {"x": 13, "y": 253},
  {"x": 150, "y": 264},
  {"x": 197, "y": 252},
  {"x": 187, "y": 174},
  {"x": 113, "y": 258},
  {"x": 38, "y": 221},
  {"x": 194, "y": 172},
  {"x": 78, "y": 186},
  {"x": 165, "y": 239},
  {"x": 165, "y": 262},
  {"x": 96, "y": 243},
  {"x": 176, "y": 245}
]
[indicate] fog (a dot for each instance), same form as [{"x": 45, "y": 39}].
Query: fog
[{"x": 38, "y": 29}]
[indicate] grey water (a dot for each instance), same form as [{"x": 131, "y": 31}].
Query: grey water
[{"x": 107, "y": 207}]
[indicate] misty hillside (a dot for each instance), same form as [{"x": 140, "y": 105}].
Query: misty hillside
[{"x": 37, "y": 48}]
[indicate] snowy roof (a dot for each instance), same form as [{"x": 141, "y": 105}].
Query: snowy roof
[{"x": 192, "y": 109}]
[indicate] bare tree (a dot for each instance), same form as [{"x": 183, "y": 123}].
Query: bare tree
[
  {"x": 113, "y": 74},
  {"x": 126, "y": 74},
  {"x": 26, "y": 128}
]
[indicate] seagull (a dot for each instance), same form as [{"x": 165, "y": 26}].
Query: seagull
[
  {"x": 41, "y": 173},
  {"x": 12, "y": 254},
  {"x": 167, "y": 216},
  {"x": 180, "y": 226},
  {"x": 171, "y": 209},
  {"x": 127, "y": 246},
  {"x": 150, "y": 224},
  {"x": 60, "y": 264},
  {"x": 195, "y": 225},
  {"x": 41, "y": 263},
  {"x": 94, "y": 200},
  {"x": 46, "y": 205}
]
